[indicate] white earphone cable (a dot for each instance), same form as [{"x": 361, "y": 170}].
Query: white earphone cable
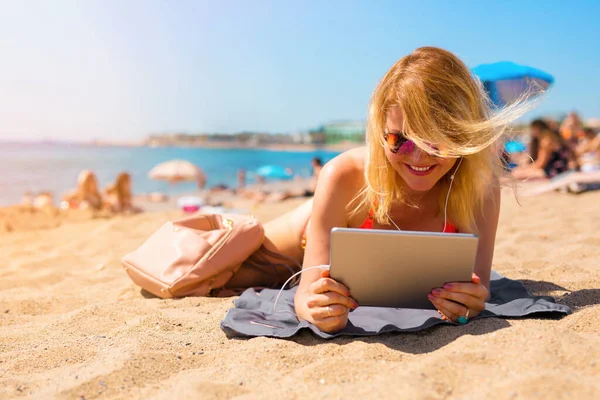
[
  {"x": 448, "y": 194},
  {"x": 321, "y": 267}
]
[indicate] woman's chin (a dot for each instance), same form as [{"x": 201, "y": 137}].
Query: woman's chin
[{"x": 419, "y": 184}]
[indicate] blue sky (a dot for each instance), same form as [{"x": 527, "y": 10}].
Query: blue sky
[{"x": 119, "y": 70}]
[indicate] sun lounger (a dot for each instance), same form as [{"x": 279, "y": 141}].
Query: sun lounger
[{"x": 572, "y": 181}]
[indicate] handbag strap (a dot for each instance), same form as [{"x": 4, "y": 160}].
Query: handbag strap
[{"x": 259, "y": 260}]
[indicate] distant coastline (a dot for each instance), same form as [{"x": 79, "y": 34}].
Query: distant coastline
[
  {"x": 291, "y": 147},
  {"x": 338, "y": 147},
  {"x": 296, "y": 147}
]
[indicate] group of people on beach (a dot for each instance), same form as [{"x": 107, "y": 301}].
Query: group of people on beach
[
  {"x": 263, "y": 192},
  {"x": 554, "y": 149},
  {"x": 116, "y": 197}
]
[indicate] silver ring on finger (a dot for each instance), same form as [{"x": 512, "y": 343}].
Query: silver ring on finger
[{"x": 328, "y": 311}]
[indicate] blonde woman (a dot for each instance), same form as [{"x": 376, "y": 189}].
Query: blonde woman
[
  {"x": 86, "y": 195},
  {"x": 429, "y": 120}
]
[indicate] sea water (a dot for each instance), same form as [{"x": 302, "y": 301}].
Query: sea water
[{"x": 54, "y": 167}]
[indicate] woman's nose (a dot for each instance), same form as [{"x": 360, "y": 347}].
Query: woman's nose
[{"x": 418, "y": 155}]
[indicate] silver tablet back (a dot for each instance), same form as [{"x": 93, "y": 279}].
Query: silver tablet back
[{"x": 398, "y": 269}]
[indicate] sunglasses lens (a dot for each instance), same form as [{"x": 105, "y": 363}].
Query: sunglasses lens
[{"x": 394, "y": 141}]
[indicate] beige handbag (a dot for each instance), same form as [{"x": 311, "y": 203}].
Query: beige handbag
[{"x": 194, "y": 256}]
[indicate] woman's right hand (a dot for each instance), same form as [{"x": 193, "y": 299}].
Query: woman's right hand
[{"x": 327, "y": 304}]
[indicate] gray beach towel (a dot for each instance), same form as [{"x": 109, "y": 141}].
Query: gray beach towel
[{"x": 253, "y": 314}]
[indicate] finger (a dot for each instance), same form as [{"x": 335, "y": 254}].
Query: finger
[
  {"x": 475, "y": 279},
  {"x": 474, "y": 303},
  {"x": 448, "y": 307},
  {"x": 335, "y": 310},
  {"x": 325, "y": 273},
  {"x": 443, "y": 316},
  {"x": 329, "y": 285},
  {"x": 330, "y": 298},
  {"x": 474, "y": 290},
  {"x": 447, "y": 315},
  {"x": 332, "y": 324}
]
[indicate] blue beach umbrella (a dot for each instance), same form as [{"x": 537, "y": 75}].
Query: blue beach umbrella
[
  {"x": 506, "y": 81},
  {"x": 274, "y": 172}
]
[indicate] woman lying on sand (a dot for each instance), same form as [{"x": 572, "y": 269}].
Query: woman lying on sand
[
  {"x": 85, "y": 195},
  {"x": 429, "y": 120},
  {"x": 118, "y": 196},
  {"x": 588, "y": 151},
  {"x": 550, "y": 153}
]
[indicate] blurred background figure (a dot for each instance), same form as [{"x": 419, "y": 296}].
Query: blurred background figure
[
  {"x": 118, "y": 196},
  {"x": 571, "y": 128},
  {"x": 241, "y": 177},
  {"x": 317, "y": 166},
  {"x": 549, "y": 153},
  {"x": 43, "y": 199},
  {"x": 201, "y": 179},
  {"x": 85, "y": 195},
  {"x": 588, "y": 151}
]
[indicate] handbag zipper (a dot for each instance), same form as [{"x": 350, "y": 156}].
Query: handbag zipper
[{"x": 228, "y": 222}]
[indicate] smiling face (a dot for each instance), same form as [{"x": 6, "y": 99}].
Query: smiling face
[{"x": 419, "y": 170}]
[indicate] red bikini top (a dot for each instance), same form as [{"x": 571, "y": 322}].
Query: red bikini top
[{"x": 368, "y": 224}]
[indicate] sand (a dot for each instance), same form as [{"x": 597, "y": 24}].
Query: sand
[{"x": 74, "y": 326}]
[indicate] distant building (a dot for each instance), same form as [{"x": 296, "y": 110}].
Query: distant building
[{"x": 339, "y": 131}]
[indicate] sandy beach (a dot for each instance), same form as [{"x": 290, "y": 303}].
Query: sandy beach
[{"x": 74, "y": 326}]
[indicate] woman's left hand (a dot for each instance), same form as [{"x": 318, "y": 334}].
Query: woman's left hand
[{"x": 460, "y": 299}]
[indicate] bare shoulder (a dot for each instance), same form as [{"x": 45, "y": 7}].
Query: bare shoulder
[
  {"x": 340, "y": 180},
  {"x": 491, "y": 204},
  {"x": 347, "y": 169}
]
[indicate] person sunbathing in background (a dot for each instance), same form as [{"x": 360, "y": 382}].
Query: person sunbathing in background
[
  {"x": 430, "y": 164},
  {"x": 588, "y": 151},
  {"x": 549, "y": 152},
  {"x": 317, "y": 166},
  {"x": 85, "y": 195},
  {"x": 118, "y": 196},
  {"x": 571, "y": 129}
]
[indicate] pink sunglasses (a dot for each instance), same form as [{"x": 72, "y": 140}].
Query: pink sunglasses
[{"x": 400, "y": 144}]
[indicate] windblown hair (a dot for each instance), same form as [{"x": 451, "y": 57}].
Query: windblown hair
[{"x": 443, "y": 104}]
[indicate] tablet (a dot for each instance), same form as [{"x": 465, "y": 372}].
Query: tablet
[{"x": 386, "y": 268}]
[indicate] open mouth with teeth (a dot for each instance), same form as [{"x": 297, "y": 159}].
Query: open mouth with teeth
[{"x": 420, "y": 170}]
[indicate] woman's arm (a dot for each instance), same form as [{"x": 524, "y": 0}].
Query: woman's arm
[
  {"x": 338, "y": 183},
  {"x": 487, "y": 223},
  {"x": 458, "y": 298},
  {"x": 544, "y": 153}
]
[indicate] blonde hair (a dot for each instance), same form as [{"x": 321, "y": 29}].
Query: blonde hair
[
  {"x": 444, "y": 104},
  {"x": 85, "y": 180},
  {"x": 121, "y": 190},
  {"x": 87, "y": 189}
]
